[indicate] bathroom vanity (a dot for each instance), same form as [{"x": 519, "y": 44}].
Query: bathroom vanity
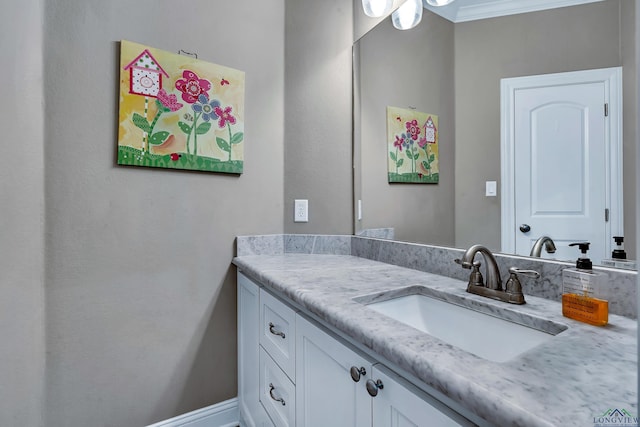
[{"x": 328, "y": 338}]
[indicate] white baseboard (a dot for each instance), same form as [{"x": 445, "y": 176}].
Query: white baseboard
[{"x": 223, "y": 414}]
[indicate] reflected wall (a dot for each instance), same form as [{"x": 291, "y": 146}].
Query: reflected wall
[{"x": 408, "y": 69}]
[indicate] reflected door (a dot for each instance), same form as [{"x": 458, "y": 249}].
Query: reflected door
[{"x": 560, "y": 152}]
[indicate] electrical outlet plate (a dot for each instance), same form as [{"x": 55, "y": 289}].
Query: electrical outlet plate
[{"x": 301, "y": 210}]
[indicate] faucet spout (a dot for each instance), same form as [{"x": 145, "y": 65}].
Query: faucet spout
[
  {"x": 545, "y": 241},
  {"x": 493, "y": 279}
]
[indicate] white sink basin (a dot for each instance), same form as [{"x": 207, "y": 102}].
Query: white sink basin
[{"x": 484, "y": 335}]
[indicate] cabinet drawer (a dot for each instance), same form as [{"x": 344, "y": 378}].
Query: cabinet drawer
[
  {"x": 277, "y": 392},
  {"x": 277, "y": 332}
]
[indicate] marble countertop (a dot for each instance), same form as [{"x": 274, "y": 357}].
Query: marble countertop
[{"x": 569, "y": 380}]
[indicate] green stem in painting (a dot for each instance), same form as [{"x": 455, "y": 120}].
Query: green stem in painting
[
  {"x": 195, "y": 134},
  {"x": 426, "y": 153},
  {"x": 230, "y": 143},
  {"x": 153, "y": 125},
  {"x": 188, "y": 138},
  {"x": 396, "y": 160}
]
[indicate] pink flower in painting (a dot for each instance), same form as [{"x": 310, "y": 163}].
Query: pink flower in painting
[
  {"x": 413, "y": 129},
  {"x": 192, "y": 86},
  {"x": 422, "y": 142},
  {"x": 169, "y": 101},
  {"x": 225, "y": 116},
  {"x": 398, "y": 142}
]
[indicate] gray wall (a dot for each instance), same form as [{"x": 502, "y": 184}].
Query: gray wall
[
  {"x": 21, "y": 215},
  {"x": 407, "y": 69},
  {"x": 317, "y": 155},
  {"x": 140, "y": 293},
  {"x": 595, "y": 35}
]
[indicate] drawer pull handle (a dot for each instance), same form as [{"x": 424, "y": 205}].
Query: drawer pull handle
[
  {"x": 273, "y": 330},
  {"x": 357, "y": 373},
  {"x": 271, "y": 388},
  {"x": 373, "y": 387}
]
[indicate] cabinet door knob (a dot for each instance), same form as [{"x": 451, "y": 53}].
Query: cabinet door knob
[
  {"x": 271, "y": 388},
  {"x": 356, "y": 373},
  {"x": 272, "y": 329},
  {"x": 373, "y": 387}
]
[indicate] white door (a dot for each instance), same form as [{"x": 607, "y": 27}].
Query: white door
[
  {"x": 326, "y": 395},
  {"x": 561, "y": 165}
]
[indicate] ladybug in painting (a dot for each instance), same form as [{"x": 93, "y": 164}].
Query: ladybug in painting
[{"x": 175, "y": 156}]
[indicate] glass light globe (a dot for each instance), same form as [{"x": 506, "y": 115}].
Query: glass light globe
[
  {"x": 377, "y": 8},
  {"x": 408, "y": 15}
]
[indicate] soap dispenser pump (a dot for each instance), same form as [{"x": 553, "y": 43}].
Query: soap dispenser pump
[
  {"x": 583, "y": 262},
  {"x": 619, "y": 257},
  {"x": 582, "y": 291},
  {"x": 619, "y": 253}
]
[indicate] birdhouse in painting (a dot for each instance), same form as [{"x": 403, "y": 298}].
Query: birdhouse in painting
[
  {"x": 145, "y": 75},
  {"x": 430, "y": 131}
]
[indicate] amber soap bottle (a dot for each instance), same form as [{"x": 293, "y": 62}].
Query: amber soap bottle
[{"x": 582, "y": 291}]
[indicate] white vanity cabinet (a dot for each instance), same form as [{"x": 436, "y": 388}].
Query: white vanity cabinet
[{"x": 293, "y": 372}]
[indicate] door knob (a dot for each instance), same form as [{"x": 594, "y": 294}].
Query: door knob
[{"x": 525, "y": 228}]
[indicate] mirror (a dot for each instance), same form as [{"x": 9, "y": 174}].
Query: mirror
[{"x": 453, "y": 70}]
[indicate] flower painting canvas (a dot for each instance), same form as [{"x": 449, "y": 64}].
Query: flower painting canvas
[
  {"x": 179, "y": 112},
  {"x": 412, "y": 146}
]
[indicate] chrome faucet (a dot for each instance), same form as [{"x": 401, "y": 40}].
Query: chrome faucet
[
  {"x": 493, "y": 287},
  {"x": 549, "y": 246}
]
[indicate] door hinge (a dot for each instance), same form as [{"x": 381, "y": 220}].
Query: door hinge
[
  {"x": 606, "y": 215},
  {"x": 606, "y": 110}
]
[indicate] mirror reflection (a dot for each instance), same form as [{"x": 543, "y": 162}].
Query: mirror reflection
[{"x": 454, "y": 70}]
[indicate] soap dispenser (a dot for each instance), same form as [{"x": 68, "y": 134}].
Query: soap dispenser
[
  {"x": 619, "y": 253},
  {"x": 582, "y": 291},
  {"x": 619, "y": 256}
]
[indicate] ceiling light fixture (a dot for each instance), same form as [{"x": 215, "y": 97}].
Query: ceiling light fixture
[
  {"x": 408, "y": 15},
  {"x": 377, "y": 8}
]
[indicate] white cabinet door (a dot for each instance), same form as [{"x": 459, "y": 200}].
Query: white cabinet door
[
  {"x": 400, "y": 404},
  {"x": 326, "y": 395}
]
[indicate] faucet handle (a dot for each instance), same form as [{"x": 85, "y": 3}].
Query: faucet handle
[
  {"x": 530, "y": 273},
  {"x": 514, "y": 287}
]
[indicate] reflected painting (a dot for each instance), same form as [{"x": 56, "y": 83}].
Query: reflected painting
[
  {"x": 412, "y": 141},
  {"x": 179, "y": 112}
]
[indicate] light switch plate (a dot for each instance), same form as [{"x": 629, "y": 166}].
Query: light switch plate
[
  {"x": 491, "y": 188},
  {"x": 301, "y": 210}
]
